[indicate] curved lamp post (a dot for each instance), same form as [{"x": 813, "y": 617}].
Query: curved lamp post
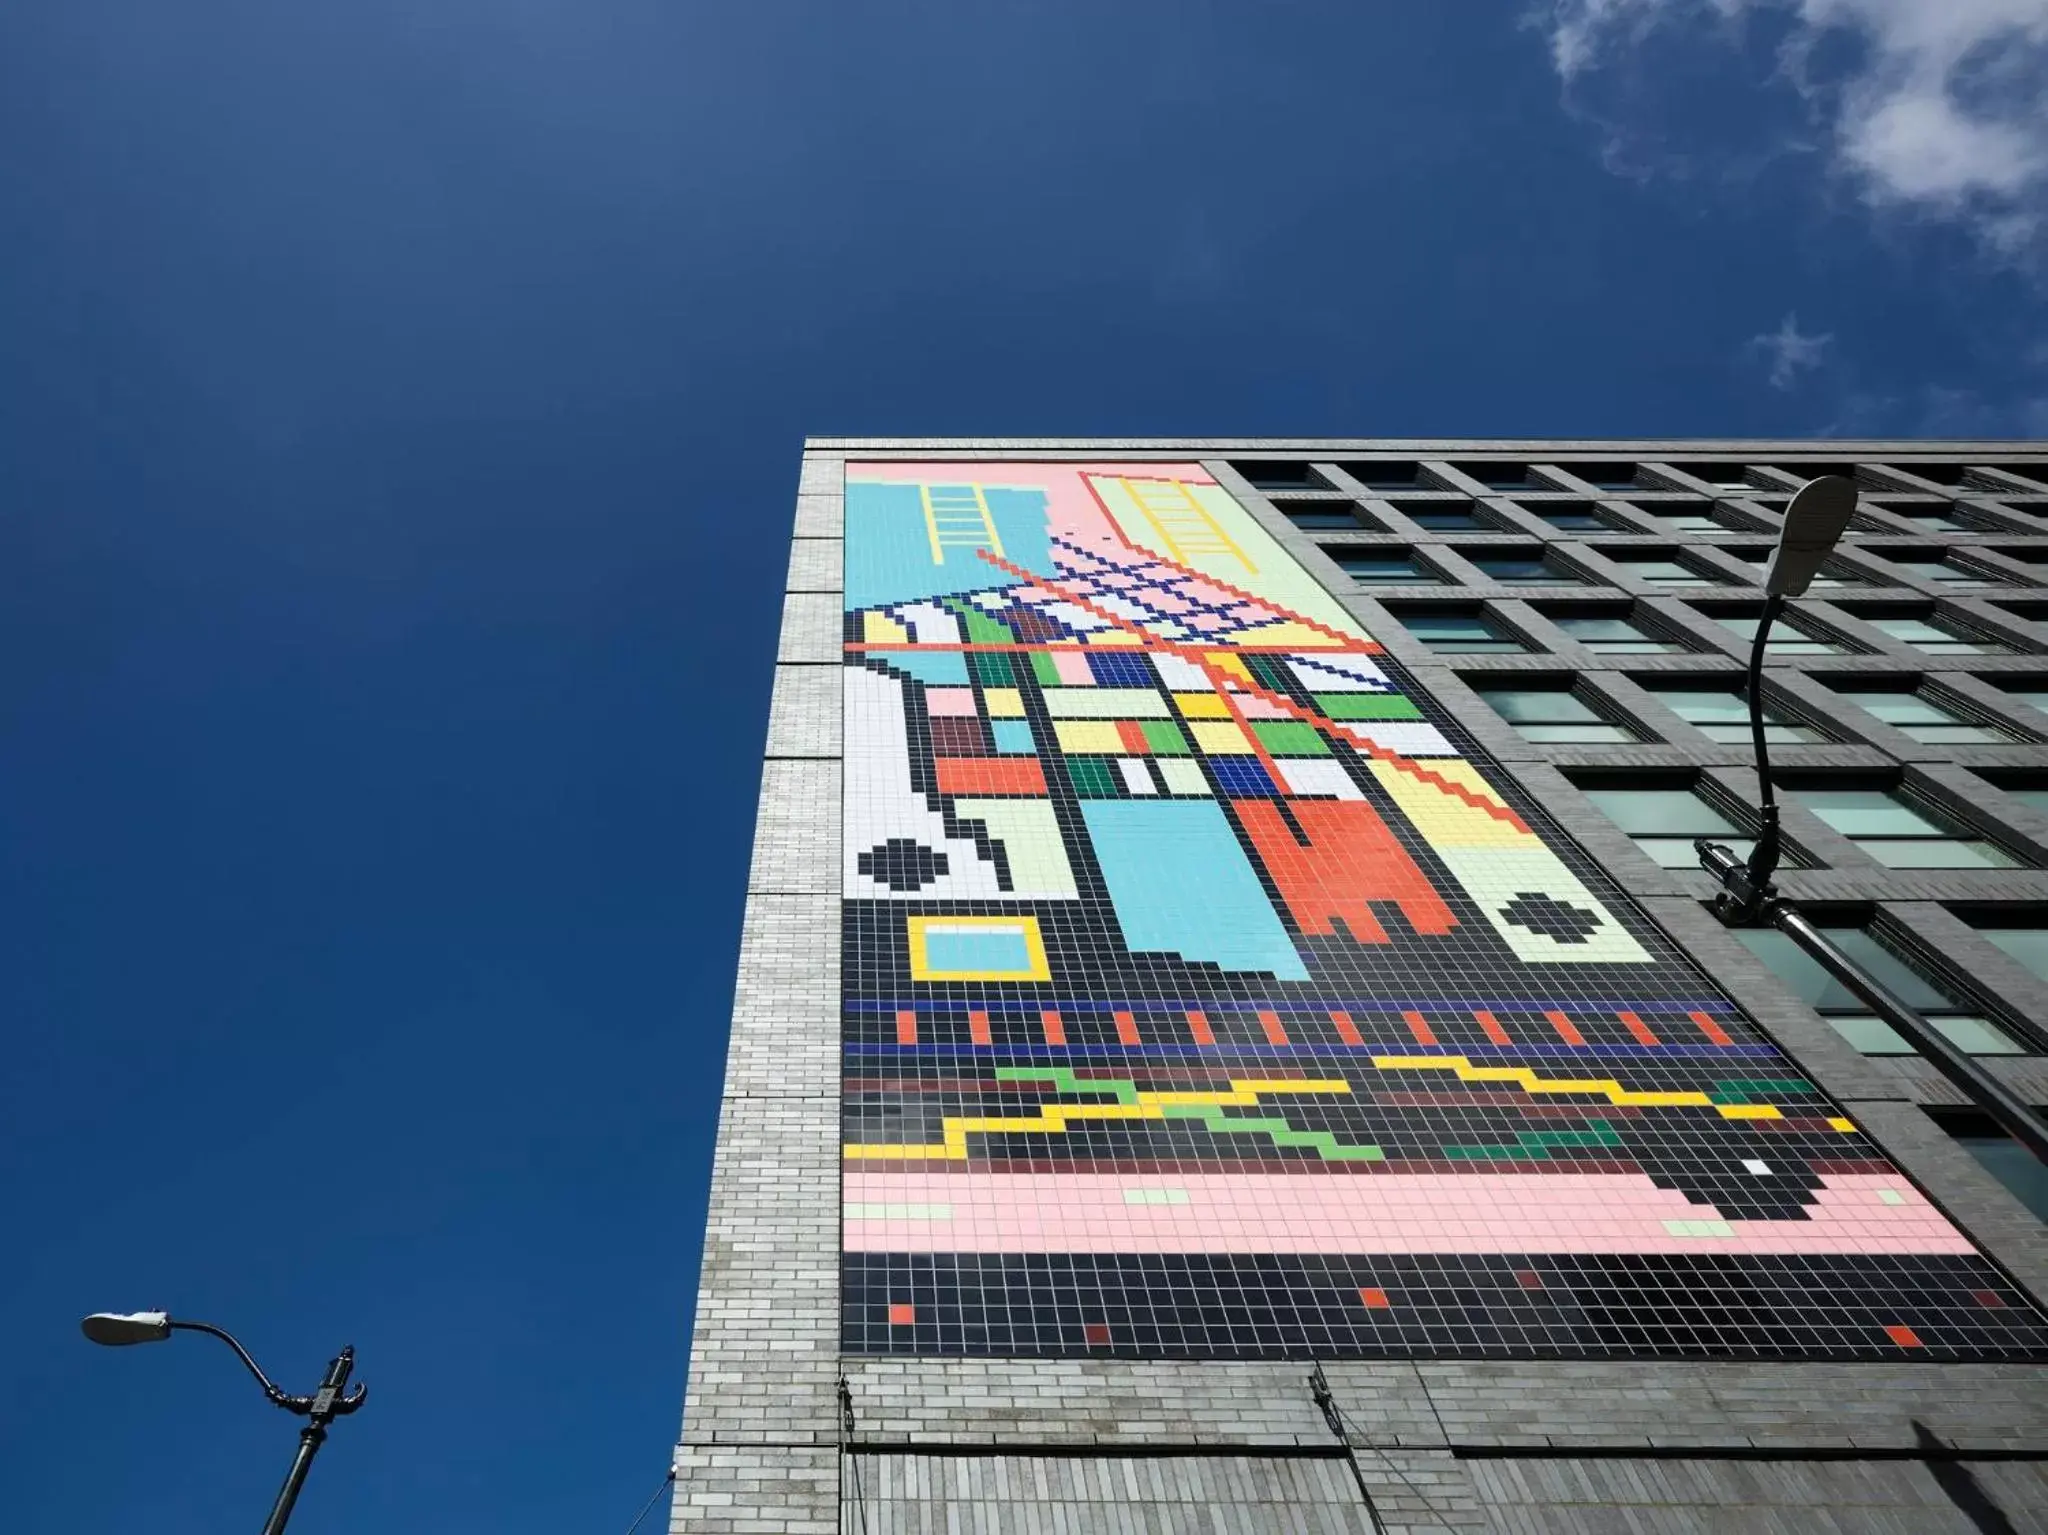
[
  {"x": 1813, "y": 524},
  {"x": 116, "y": 1330}
]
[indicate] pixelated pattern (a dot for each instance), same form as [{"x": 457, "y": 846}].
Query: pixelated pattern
[{"x": 1204, "y": 996}]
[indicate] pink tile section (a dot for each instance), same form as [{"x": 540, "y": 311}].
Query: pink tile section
[
  {"x": 949, "y": 700},
  {"x": 1367, "y": 1213}
]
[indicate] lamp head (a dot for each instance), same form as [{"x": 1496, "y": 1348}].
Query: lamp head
[
  {"x": 1813, "y": 526},
  {"x": 115, "y": 1329}
]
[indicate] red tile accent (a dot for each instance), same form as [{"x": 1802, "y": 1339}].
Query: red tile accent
[
  {"x": 1711, "y": 1029},
  {"x": 1055, "y": 1030},
  {"x": 1275, "y": 1033},
  {"x": 1987, "y": 1297},
  {"x": 1198, "y": 1025},
  {"x": 1528, "y": 1279},
  {"x": 1127, "y": 1030},
  {"x": 1905, "y": 1337},
  {"x": 1128, "y": 732},
  {"x": 1419, "y": 1027},
  {"x": 1350, "y": 861},
  {"x": 1637, "y": 1027},
  {"x": 1346, "y": 1029},
  {"x": 1096, "y": 1334},
  {"x": 1375, "y": 1300},
  {"x": 902, "y": 1314},
  {"x": 989, "y": 775},
  {"x": 977, "y": 1027},
  {"x": 906, "y": 1028},
  {"x": 1566, "y": 1029},
  {"x": 1492, "y": 1026}
]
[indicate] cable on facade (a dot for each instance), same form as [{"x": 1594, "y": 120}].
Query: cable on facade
[
  {"x": 1333, "y": 1415},
  {"x": 666, "y": 1483},
  {"x": 846, "y": 1457}
]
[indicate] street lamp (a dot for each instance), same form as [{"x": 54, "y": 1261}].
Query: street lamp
[
  {"x": 117, "y": 1330},
  {"x": 1813, "y": 523}
]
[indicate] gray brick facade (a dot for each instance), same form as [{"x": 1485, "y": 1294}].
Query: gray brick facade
[{"x": 946, "y": 1444}]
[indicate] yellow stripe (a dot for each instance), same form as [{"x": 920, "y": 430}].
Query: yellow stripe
[
  {"x": 1612, "y": 1090},
  {"x": 1053, "y": 1117}
]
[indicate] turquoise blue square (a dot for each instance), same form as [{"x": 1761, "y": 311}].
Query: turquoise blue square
[
  {"x": 977, "y": 949},
  {"x": 1012, "y": 735}
]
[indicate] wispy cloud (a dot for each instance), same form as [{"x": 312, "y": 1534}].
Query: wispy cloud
[
  {"x": 1790, "y": 351},
  {"x": 1936, "y": 108}
]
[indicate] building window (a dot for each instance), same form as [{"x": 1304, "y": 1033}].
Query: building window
[
  {"x": 1500, "y": 476},
  {"x": 1658, "y": 572},
  {"x": 1943, "y": 572},
  {"x": 1616, "y": 477},
  {"x": 1759, "y": 563},
  {"x": 2029, "y": 791},
  {"x": 2026, "y": 691},
  {"x": 1614, "y": 636},
  {"x": 1442, "y": 519},
  {"x": 1722, "y": 714},
  {"x": 1570, "y": 517},
  {"x": 1786, "y": 639},
  {"x": 1725, "y": 477},
  {"x": 1691, "y": 522},
  {"x": 1896, "y": 833},
  {"x": 2024, "y": 1175},
  {"x": 1915, "y": 715},
  {"x": 2027, "y": 945},
  {"x": 1383, "y": 569},
  {"x": 1553, "y": 715},
  {"x": 1323, "y": 516},
  {"x": 1929, "y": 521},
  {"x": 1392, "y": 475},
  {"x": 1523, "y": 570},
  {"x": 1664, "y": 821},
  {"x": 1803, "y": 976},
  {"x": 1934, "y": 638},
  {"x": 1281, "y": 474},
  {"x": 1459, "y": 634}
]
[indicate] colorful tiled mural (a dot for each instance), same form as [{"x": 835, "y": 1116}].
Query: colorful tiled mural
[{"x": 1204, "y": 996}]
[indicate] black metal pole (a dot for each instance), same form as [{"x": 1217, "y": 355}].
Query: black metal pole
[
  {"x": 1749, "y": 899},
  {"x": 326, "y": 1404}
]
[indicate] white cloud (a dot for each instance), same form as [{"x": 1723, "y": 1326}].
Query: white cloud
[
  {"x": 1937, "y": 107},
  {"x": 1790, "y": 351}
]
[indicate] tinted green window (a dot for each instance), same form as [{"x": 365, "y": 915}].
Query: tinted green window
[
  {"x": 1926, "y": 721},
  {"x": 1785, "y": 640},
  {"x": 2028, "y": 945},
  {"x": 1522, "y": 571},
  {"x": 1724, "y": 716},
  {"x": 1896, "y": 833},
  {"x": 1370, "y": 569},
  {"x": 1460, "y": 633},
  {"x": 1552, "y": 715},
  {"x": 1666, "y": 573},
  {"x": 1805, "y": 978},
  {"x": 1663, "y": 822},
  {"x": 1933, "y": 638},
  {"x": 1613, "y": 636}
]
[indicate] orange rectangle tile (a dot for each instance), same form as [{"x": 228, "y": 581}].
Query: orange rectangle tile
[
  {"x": 1276, "y": 1034},
  {"x": 1419, "y": 1027},
  {"x": 1127, "y": 1029},
  {"x": 989, "y": 775},
  {"x": 1374, "y": 1299},
  {"x": 1132, "y": 734},
  {"x": 1055, "y": 1029},
  {"x": 1711, "y": 1029},
  {"x": 1566, "y": 1029},
  {"x": 1346, "y": 1029},
  {"x": 1637, "y": 1027},
  {"x": 977, "y": 1027},
  {"x": 1491, "y": 1024},
  {"x": 1198, "y": 1026},
  {"x": 1905, "y": 1337},
  {"x": 906, "y": 1028}
]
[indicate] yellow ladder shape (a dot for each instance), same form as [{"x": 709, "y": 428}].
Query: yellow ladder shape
[
  {"x": 1184, "y": 525},
  {"x": 957, "y": 517}
]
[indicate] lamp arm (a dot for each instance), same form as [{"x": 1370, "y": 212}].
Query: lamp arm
[
  {"x": 1763, "y": 858},
  {"x": 295, "y": 1404}
]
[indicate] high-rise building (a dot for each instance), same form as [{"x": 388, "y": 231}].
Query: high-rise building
[{"x": 1230, "y": 1035}]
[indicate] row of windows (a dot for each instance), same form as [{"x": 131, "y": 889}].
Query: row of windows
[
  {"x": 1730, "y": 476},
  {"x": 1454, "y": 632},
  {"x": 1555, "y": 714},
  {"x": 1377, "y": 566},
  {"x": 1679, "y": 515}
]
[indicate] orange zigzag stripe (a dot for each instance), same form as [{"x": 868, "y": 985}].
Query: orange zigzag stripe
[{"x": 1194, "y": 655}]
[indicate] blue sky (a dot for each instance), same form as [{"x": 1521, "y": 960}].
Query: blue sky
[{"x": 398, "y": 430}]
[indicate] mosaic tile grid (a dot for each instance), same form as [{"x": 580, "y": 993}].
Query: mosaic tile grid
[{"x": 1204, "y": 997}]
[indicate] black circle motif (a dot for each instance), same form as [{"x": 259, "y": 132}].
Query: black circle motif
[
  {"x": 1553, "y": 918},
  {"x": 902, "y": 864}
]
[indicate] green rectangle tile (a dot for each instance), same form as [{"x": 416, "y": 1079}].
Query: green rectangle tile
[{"x": 1367, "y": 706}]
